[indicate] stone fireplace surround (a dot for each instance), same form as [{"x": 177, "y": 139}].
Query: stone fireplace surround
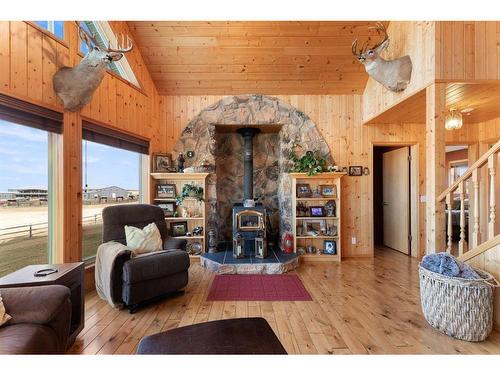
[{"x": 223, "y": 151}]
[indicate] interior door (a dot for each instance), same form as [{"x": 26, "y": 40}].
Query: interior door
[{"x": 396, "y": 199}]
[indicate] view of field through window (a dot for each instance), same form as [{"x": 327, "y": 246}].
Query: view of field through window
[
  {"x": 23, "y": 197},
  {"x": 110, "y": 176}
]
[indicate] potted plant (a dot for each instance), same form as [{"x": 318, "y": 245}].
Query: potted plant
[
  {"x": 310, "y": 162},
  {"x": 191, "y": 191}
]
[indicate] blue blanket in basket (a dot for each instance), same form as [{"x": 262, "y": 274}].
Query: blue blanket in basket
[{"x": 448, "y": 265}]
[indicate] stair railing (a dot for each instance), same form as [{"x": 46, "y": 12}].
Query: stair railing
[{"x": 487, "y": 159}]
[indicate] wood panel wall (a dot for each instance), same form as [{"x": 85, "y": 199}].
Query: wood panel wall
[
  {"x": 29, "y": 57},
  {"x": 338, "y": 117},
  {"x": 406, "y": 38},
  {"x": 467, "y": 51}
]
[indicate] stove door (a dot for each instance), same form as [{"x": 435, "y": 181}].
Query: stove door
[{"x": 249, "y": 220}]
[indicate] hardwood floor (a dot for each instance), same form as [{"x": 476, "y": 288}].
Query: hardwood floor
[{"x": 359, "y": 306}]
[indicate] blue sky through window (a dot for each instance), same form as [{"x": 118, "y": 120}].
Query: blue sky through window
[
  {"x": 57, "y": 29},
  {"x": 109, "y": 166},
  {"x": 23, "y": 157},
  {"x": 24, "y": 161}
]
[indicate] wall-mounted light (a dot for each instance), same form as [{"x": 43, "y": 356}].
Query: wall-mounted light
[{"x": 453, "y": 120}]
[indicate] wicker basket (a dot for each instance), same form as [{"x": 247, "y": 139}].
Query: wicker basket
[{"x": 460, "y": 308}]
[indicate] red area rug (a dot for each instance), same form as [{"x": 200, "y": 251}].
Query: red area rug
[{"x": 258, "y": 288}]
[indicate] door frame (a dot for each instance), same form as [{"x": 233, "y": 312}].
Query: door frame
[{"x": 414, "y": 193}]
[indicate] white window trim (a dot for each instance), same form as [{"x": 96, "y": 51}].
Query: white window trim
[
  {"x": 51, "y": 26},
  {"x": 123, "y": 66}
]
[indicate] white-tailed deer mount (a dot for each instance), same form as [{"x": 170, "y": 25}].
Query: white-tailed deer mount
[
  {"x": 76, "y": 85},
  {"x": 393, "y": 74}
]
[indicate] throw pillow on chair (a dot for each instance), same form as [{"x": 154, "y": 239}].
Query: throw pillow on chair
[{"x": 141, "y": 241}]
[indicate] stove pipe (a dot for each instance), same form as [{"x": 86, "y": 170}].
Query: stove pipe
[{"x": 248, "y": 134}]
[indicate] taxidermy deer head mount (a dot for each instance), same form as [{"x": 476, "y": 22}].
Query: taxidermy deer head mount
[
  {"x": 76, "y": 85},
  {"x": 393, "y": 74}
]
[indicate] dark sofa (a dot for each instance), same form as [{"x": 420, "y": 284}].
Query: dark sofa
[
  {"x": 41, "y": 318},
  {"x": 140, "y": 279}
]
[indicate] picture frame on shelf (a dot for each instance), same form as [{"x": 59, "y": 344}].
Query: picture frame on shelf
[
  {"x": 316, "y": 211},
  {"x": 165, "y": 191},
  {"x": 329, "y": 191},
  {"x": 168, "y": 208},
  {"x": 314, "y": 228},
  {"x": 355, "y": 170},
  {"x": 330, "y": 247},
  {"x": 178, "y": 228},
  {"x": 162, "y": 163},
  {"x": 304, "y": 191}
]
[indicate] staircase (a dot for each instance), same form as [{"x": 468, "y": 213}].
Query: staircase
[{"x": 479, "y": 196}]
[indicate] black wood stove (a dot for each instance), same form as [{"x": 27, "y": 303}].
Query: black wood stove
[{"x": 249, "y": 218}]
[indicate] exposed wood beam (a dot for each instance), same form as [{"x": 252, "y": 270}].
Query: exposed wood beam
[{"x": 435, "y": 170}]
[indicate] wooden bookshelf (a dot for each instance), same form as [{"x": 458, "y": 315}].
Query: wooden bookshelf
[
  {"x": 303, "y": 240},
  {"x": 179, "y": 180}
]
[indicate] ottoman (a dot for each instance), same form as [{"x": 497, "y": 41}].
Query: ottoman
[{"x": 230, "y": 336}]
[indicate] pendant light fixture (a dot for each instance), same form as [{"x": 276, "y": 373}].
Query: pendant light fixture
[{"x": 453, "y": 120}]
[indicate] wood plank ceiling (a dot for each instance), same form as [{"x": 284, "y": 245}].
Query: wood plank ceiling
[{"x": 233, "y": 57}]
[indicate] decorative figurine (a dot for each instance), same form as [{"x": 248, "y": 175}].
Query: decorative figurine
[
  {"x": 212, "y": 241},
  {"x": 180, "y": 163},
  {"x": 198, "y": 231}
]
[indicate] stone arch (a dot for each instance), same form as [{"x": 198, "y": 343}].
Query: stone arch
[{"x": 252, "y": 109}]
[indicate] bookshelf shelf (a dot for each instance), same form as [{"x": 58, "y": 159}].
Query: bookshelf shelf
[
  {"x": 301, "y": 222},
  {"x": 179, "y": 180}
]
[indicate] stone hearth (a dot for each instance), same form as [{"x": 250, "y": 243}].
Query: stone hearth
[
  {"x": 223, "y": 263},
  {"x": 223, "y": 153}
]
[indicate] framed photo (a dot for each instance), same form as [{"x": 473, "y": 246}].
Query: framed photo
[
  {"x": 162, "y": 163},
  {"x": 314, "y": 227},
  {"x": 165, "y": 191},
  {"x": 304, "y": 191},
  {"x": 168, "y": 208},
  {"x": 178, "y": 228},
  {"x": 328, "y": 190},
  {"x": 355, "y": 170},
  {"x": 316, "y": 211},
  {"x": 329, "y": 247}
]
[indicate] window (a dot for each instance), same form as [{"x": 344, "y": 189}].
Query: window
[
  {"x": 24, "y": 196},
  {"x": 55, "y": 27},
  {"x": 112, "y": 174},
  {"x": 104, "y": 34}
]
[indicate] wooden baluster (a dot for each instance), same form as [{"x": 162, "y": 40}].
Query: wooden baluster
[
  {"x": 448, "y": 222},
  {"x": 461, "y": 242},
  {"x": 492, "y": 170},
  {"x": 475, "y": 187}
]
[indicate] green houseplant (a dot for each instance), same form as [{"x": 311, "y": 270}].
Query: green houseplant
[
  {"x": 191, "y": 191},
  {"x": 310, "y": 162}
]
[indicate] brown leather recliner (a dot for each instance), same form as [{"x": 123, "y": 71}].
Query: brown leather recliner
[{"x": 41, "y": 318}]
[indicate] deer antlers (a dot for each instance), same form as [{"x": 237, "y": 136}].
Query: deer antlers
[
  {"x": 379, "y": 26},
  {"x": 90, "y": 40},
  {"x": 121, "y": 40},
  {"x": 87, "y": 37}
]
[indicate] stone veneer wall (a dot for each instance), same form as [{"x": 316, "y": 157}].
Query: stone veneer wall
[
  {"x": 253, "y": 109},
  {"x": 229, "y": 167}
]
